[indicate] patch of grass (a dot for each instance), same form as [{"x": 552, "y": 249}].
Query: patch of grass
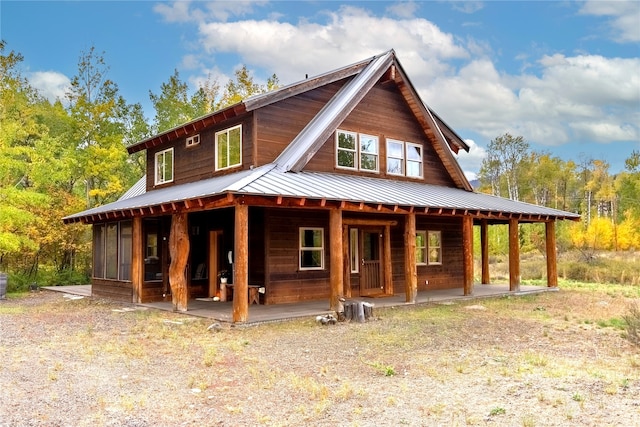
[
  {"x": 498, "y": 410},
  {"x": 386, "y": 370}
]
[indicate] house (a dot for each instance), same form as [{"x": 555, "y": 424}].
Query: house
[{"x": 341, "y": 185}]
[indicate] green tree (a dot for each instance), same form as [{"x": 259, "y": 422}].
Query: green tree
[{"x": 503, "y": 166}]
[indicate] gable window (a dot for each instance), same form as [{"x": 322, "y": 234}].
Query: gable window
[
  {"x": 395, "y": 157},
  {"x": 164, "y": 166},
  {"x": 229, "y": 147},
  {"x": 404, "y": 158},
  {"x": 357, "y": 151},
  {"x": 428, "y": 247},
  {"x": 311, "y": 248},
  {"x": 193, "y": 140}
]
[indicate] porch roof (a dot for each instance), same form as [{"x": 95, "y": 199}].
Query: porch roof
[{"x": 268, "y": 182}]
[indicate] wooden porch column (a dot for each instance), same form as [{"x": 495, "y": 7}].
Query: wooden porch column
[
  {"x": 336, "y": 258},
  {"x": 179, "y": 253},
  {"x": 467, "y": 254},
  {"x": 346, "y": 267},
  {"x": 137, "y": 259},
  {"x": 388, "y": 273},
  {"x": 484, "y": 249},
  {"x": 241, "y": 265},
  {"x": 552, "y": 266},
  {"x": 514, "y": 256},
  {"x": 410, "y": 273}
]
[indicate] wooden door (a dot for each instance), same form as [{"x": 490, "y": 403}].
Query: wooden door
[{"x": 371, "y": 279}]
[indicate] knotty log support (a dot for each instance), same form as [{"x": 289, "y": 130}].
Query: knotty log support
[
  {"x": 552, "y": 266},
  {"x": 410, "y": 273},
  {"x": 336, "y": 258},
  {"x": 388, "y": 273},
  {"x": 467, "y": 254},
  {"x": 137, "y": 259},
  {"x": 514, "y": 256},
  {"x": 179, "y": 253},
  {"x": 484, "y": 249},
  {"x": 241, "y": 264},
  {"x": 346, "y": 267}
]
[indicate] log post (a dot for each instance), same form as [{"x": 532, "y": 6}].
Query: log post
[
  {"x": 467, "y": 254},
  {"x": 552, "y": 266},
  {"x": 514, "y": 256},
  {"x": 336, "y": 259},
  {"x": 137, "y": 260},
  {"x": 241, "y": 264},
  {"x": 410, "y": 273},
  {"x": 179, "y": 253},
  {"x": 484, "y": 249},
  {"x": 346, "y": 267},
  {"x": 388, "y": 272}
]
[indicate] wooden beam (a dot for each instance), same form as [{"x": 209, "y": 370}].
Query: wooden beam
[
  {"x": 179, "y": 253},
  {"x": 241, "y": 264},
  {"x": 467, "y": 254},
  {"x": 552, "y": 266},
  {"x": 336, "y": 259},
  {"x": 484, "y": 249},
  {"x": 388, "y": 272},
  {"x": 346, "y": 267},
  {"x": 137, "y": 260},
  {"x": 369, "y": 222},
  {"x": 410, "y": 271},
  {"x": 514, "y": 256}
]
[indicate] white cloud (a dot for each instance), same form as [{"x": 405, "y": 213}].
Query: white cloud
[
  {"x": 50, "y": 84},
  {"x": 625, "y": 17},
  {"x": 403, "y": 9},
  {"x": 472, "y": 161}
]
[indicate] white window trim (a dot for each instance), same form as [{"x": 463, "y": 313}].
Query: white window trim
[
  {"x": 407, "y": 160},
  {"x": 192, "y": 140},
  {"x": 227, "y": 131},
  {"x": 423, "y": 233},
  {"x": 360, "y": 153},
  {"x": 401, "y": 143},
  {"x": 160, "y": 180},
  {"x": 439, "y": 233},
  {"x": 356, "y": 158},
  {"x": 313, "y": 248},
  {"x": 354, "y": 249}
]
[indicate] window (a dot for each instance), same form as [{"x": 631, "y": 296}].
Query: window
[
  {"x": 164, "y": 166},
  {"x": 193, "y": 140},
  {"x": 395, "y": 157},
  {"x": 428, "y": 247},
  {"x": 369, "y": 153},
  {"x": 414, "y": 160},
  {"x": 434, "y": 245},
  {"x": 346, "y": 153},
  {"x": 229, "y": 147},
  {"x": 311, "y": 248},
  {"x": 421, "y": 247},
  {"x": 357, "y": 151},
  {"x": 404, "y": 158},
  {"x": 353, "y": 250},
  {"x": 112, "y": 250}
]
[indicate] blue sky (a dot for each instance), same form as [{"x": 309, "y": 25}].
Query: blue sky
[{"x": 565, "y": 75}]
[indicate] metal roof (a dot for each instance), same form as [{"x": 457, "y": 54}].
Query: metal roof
[{"x": 269, "y": 181}]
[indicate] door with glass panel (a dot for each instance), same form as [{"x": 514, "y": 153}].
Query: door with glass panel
[{"x": 371, "y": 278}]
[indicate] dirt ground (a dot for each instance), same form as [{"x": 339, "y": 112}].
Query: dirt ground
[{"x": 554, "y": 359}]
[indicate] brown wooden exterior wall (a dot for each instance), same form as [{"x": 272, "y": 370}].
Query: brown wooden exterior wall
[
  {"x": 112, "y": 289},
  {"x": 198, "y": 162}
]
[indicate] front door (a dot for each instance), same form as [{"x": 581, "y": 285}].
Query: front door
[{"x": 371, "y": 282}]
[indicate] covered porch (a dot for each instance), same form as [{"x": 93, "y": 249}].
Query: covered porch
[{"x": 223, "y": 311}]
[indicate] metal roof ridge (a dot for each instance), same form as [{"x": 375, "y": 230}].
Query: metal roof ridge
[{"x": 300, "y": 150}]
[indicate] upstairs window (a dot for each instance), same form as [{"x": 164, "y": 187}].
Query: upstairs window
[
  {"x": 164, "y": 166},
  {"x": 192, "y": 140},
  {"x": 229, "y": 147},
  {"x": 357, "y": 151},
  {"x": 404, "y": 158}
]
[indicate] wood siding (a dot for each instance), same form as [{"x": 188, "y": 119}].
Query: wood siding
[
  {"x": 198, "y": 162},
  {"x": 112, "y": 289},
  {"x": 384, "y": 113}
]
